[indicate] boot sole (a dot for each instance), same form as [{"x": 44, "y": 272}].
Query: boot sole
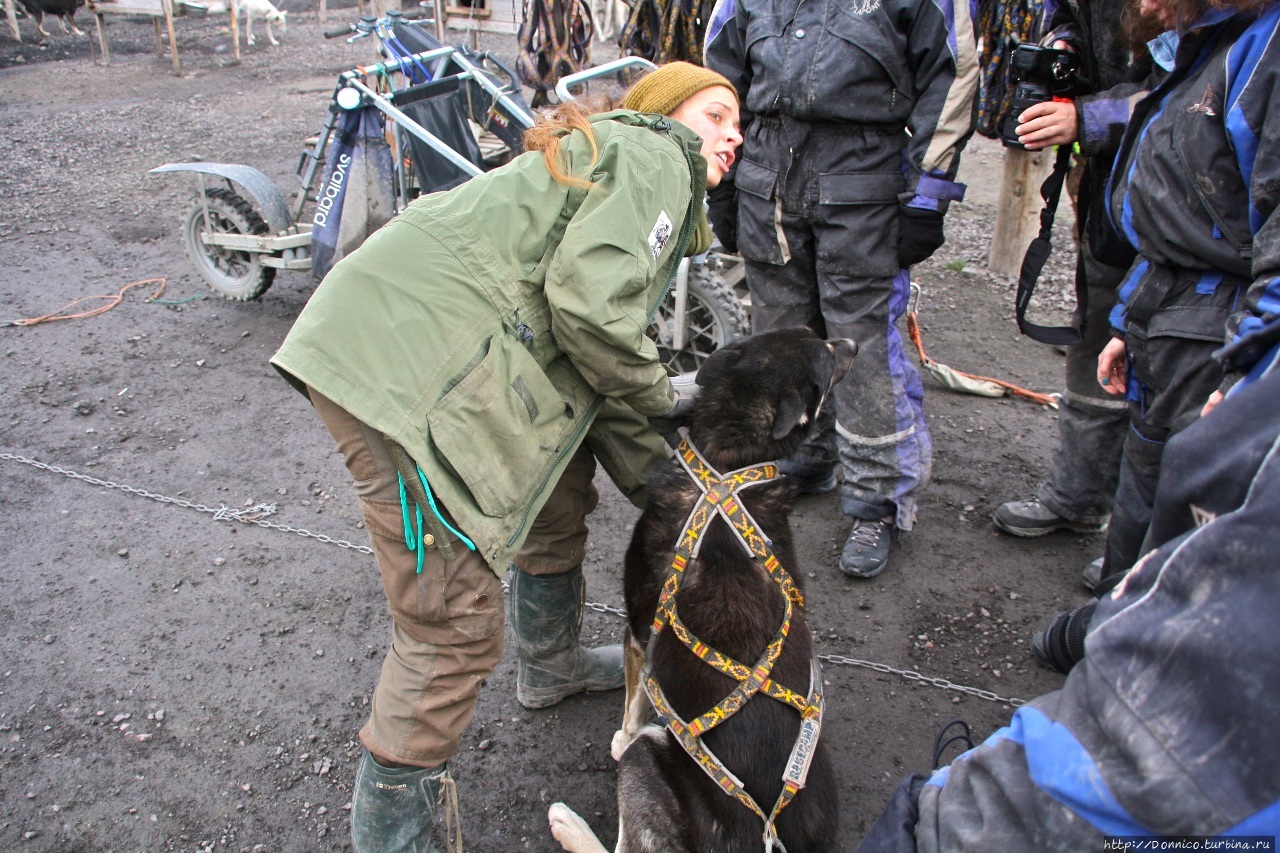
[
  {"x": 1036, "y": 532},
  {"x": 535, "y": 700}
]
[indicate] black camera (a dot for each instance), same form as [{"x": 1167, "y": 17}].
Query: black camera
[{"x": 1037, "y": 74}]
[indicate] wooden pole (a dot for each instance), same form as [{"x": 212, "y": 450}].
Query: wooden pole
[
  {"x": 1018, "y": 217},
  {"x": 234, "y": 6},
  {"x": 167, "y": 6},
  {"x": 102, "y": 38}
]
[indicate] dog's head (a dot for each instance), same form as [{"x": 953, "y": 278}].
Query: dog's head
[
  {"x": 760, "y": 395},
  {"x": 280, "y": 18}
]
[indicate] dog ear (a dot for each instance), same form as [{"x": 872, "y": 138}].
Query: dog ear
[
  {"x": 717, "y": 365},
  {"x": 790, "y": 413}
]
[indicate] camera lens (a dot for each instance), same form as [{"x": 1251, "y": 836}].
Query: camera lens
[{"x": 1061, "y": 645}]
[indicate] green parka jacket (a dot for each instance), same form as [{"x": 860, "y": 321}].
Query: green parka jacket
[{"x": 489, "y": 329}]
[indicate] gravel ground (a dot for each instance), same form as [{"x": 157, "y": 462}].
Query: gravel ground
[{"x": 174, "y": 682}]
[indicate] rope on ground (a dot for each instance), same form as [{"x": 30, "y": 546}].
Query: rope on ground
[
  {"x": 970, "y": 383},
  {"x": 252, "y": 515},
  {"x": 114, "y": 300}
]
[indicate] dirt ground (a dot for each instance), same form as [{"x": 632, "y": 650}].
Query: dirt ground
[{"x": 172, "y": 681}]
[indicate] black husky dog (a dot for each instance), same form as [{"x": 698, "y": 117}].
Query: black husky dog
[{"x": 721, "y": 792}]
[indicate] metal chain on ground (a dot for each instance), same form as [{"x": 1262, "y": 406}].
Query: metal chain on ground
[
  {"x": 912, "y": 675},
  {"x": 247, "y": 515},
  {"x": 253, "y": 515}
]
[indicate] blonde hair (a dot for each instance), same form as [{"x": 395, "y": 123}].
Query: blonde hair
[{"x": 554, "y": 125}]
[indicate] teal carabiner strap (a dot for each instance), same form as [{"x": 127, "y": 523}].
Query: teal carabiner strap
[
  {"x": 431, "y": 501},
  {"x": 412, "y": 484},
  {"x": 412, "y": 531}
]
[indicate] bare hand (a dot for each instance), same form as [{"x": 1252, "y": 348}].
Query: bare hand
[
  {"x": 1112, "y": 367},
  {"x": 1214, "y": 399},
  {"x": 1047, "y": 123}
]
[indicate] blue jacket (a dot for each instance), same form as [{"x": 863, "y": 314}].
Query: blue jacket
[
  {"x": 1168, "y": 727},
  {"x": 1210, "y": 119}
]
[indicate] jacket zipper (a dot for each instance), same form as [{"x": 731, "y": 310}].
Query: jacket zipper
[{"x": 686, "y": 233}]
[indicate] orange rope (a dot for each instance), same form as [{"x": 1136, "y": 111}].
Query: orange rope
[
  {"x": 115, "y": 300},
  {"x": 913, "y": 328}
]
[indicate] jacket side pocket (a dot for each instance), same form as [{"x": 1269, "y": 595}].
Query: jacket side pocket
[
  {"x": 501, "y": 426},
  {"x": 757, "y": 226}
]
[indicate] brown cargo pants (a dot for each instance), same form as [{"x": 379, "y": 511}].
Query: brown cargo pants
[{"x": 447, "y": 622}]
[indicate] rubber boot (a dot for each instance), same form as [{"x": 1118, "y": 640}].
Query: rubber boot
[
  {"x": 546, "y": 616},
  {"x": 393, "y": 808}
]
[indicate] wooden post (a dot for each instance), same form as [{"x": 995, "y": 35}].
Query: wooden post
[
  {"x": 102, "y": 38},
  {"x": 12, "y": 15},
  {"x": 1018, "y": 216},
  {"x": 167, "y": 6},
  {"x": 234, "y": 5}
]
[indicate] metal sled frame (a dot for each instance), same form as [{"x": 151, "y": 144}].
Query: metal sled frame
[{"x": 287, "y": 232}]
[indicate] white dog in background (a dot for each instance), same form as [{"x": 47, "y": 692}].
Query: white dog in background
[{"x": 265, "y": 10}]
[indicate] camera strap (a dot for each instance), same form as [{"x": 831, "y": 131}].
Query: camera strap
[{"x": 1038, "y": 252}]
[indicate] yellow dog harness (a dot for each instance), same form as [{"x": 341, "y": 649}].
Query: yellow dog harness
[{"x": 720, "y": 497}]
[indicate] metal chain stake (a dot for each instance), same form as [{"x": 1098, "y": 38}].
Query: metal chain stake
[{"x": 253, "y": 515}]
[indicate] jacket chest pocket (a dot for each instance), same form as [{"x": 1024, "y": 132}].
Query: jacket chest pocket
[
  {"x": 1199, "y": 140},
  {"x": 867, "y": 53},
  {"x": 502, "y": 426}
]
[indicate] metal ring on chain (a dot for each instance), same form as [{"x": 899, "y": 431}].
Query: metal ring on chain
[{"x": 253, "y": 515}]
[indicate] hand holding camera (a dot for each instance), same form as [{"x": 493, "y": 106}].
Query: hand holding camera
[
  {"x": 1047, "y": 123},
  {"x": 1045, "y": 81}
]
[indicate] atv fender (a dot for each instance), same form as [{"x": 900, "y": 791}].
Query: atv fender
[{"x": 267, "y": 198}]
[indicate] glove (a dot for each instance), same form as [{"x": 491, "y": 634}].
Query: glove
[
  {"x": 919, "y": 235},
  {"x": 722, "y": 214},
  {"x": 686, "y": 391}
]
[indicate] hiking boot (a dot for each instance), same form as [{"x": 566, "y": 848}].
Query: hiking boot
[
  {"x": 393, "y": 808},
  {"x": 1031, "y": 518},
  {"x": 546, "y": 617},
  {"x": 866, "y": 552},
  {"x": 810, "y": 479},
  {"x": 1092, "y": 575}
]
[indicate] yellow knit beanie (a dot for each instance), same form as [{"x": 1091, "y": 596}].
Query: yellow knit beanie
[{"x": 669, "y": 86}]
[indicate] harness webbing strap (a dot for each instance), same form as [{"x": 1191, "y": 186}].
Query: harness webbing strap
[{"x": 720, "y": 497}]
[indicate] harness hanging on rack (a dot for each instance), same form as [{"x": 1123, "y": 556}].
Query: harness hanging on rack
[
  {"x": 664, "y": 31},
  {"x": 720, "y": 498},
  {"x": 554, "y": 38}
]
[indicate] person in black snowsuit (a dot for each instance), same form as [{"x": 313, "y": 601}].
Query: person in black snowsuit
[{"x": 854, "y": 116}]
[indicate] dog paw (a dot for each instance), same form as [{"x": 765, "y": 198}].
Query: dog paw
[
  {"x": 571, "y": 831},
  {"x": 621, "y": 740},
  {"x": 275, "y": 43}
]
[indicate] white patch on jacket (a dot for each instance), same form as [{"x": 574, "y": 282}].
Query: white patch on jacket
[{"x": 659, "y": 234}]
